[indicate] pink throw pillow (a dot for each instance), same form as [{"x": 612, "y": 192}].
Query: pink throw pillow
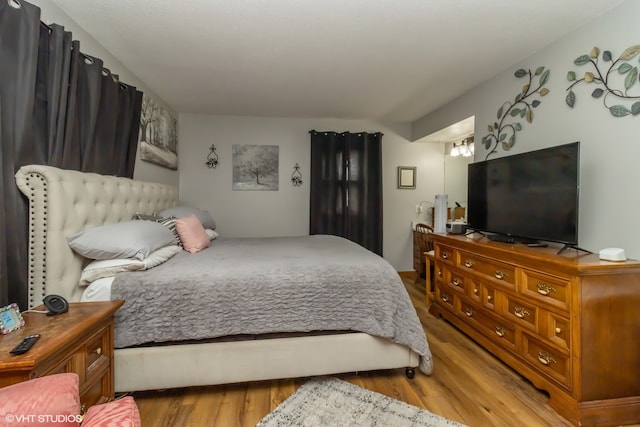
[
  {"x": 50, "y": 400},
  {"x": 121, "y": 413},
  {"x": 192, "y": 234}
]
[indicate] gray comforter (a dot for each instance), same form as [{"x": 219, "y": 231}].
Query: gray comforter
[{"x": 268, "y": 285}]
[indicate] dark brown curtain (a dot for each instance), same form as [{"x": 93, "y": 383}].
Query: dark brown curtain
[
  {"x": 346, "y": 186},
  {"x": 58, "y": 107}
]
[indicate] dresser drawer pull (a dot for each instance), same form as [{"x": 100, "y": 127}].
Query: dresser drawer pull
[
  {"x": 445, "y": 297},
  {"x": 468, "y": 263},
  {"x": 98, "y": 351},
  {"x": 544, "y": 289},
  {"x": 489, "y": 297},
  {"x": 456, "y": 282},
  {"x": 476, "y": 291},
  {"x": 558, "y": 331},
  {"x": 444, "y": 255},
  {"x": 468, "y": 311},
  {"x": 520, "y": 312},
  {"x": 500, "y": 274},
  {"x": 500, "y": 331},
  {"x": 545, "y": 358}
]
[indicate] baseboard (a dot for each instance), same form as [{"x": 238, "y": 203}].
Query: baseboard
[{"x": 412, "y": 275}]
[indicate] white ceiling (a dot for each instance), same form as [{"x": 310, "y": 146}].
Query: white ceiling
[{"x": 391, "y": 60}]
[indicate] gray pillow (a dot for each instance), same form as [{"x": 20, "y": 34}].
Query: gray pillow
[
  {"x": 129, "y": 239},
  {"x": 182, "y": 211}
]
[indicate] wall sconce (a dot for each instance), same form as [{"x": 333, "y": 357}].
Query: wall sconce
[
  {"x": 212, "y": 157},
  {"x": 466, "y": 148},
  {"x": 296, "y": 176}
]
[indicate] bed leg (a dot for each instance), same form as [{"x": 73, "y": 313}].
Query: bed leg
[{"x": 410, "y": 373}]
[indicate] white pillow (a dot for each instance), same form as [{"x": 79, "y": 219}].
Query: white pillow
[
  {"x": 211, "y": 233},
  {"x": 160, "y": 256},
  {"x": 110, "y": 267}
]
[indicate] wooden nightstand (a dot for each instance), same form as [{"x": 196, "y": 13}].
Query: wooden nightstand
[{"x": 79, "y": 341}]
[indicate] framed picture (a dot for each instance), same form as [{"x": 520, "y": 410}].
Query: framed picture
[
  {"x": 158, "y": 136},
  {"x": 10, "y": 318},
  {"x": 255, "y": 167},
  {"x": 406, "y": 177}
]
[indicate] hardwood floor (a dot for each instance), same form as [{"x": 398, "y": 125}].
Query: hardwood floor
[{"x": 468, "y": 385}]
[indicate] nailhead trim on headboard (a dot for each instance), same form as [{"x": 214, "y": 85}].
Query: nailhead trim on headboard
[{"x": 63, "y": 202}]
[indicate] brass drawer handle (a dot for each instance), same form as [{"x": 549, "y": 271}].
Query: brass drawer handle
[
  {"x": 545, "y": 358},
  {"x": 456, "y": 282},
  {"x": 520, "y": 312},
  {"x": 558, "y": 330},
  {"x": 500, "y": 331},
  {"x": 544, "y": 289},
  {"x": 468, "y": 263},
  {"x": 489, "y": 297},
  {"x": 476, "y": 291},
  {"x": 468, "y": 311},
  {"x": 444, "y": 254},
  {"x": 98, "y": 350},
  {"x": 445, "y": 297},
  {"x": 501, "y": 274}
]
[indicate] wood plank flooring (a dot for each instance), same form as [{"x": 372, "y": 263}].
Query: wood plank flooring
[{"x": 468, "y": 385}]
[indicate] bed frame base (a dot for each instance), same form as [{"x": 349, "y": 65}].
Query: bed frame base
[{"x": 137, "y": 369}]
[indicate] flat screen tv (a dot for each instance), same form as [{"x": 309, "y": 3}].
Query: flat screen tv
[{"x": 527, "y": 197}]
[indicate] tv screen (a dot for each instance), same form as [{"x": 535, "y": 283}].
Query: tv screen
[{"x": 531, "y": 195}]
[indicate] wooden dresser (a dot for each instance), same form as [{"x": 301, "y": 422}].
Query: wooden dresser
[
  {"x": 79, "y": 341},
  {"x": 570, "y": 323}
]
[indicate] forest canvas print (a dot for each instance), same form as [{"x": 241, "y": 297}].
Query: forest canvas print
[
  {"x": 158, "y": 141},
  {"x": 255, "y": 167}
]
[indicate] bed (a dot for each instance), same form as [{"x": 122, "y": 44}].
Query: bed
[{"x": 63, "y": 203}]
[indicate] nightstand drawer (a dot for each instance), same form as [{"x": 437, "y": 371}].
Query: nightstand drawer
[{"x": 97, "y": 353}]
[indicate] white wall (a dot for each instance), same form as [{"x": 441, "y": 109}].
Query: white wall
[
  {"x": 286, "y": 212},
  {"x": 52, "y": 14},
  {"x": 610, "y": 147}
]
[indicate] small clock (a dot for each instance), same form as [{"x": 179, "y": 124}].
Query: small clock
[{"x": 10, "y": 318}]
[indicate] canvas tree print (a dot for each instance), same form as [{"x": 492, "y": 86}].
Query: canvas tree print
[
  {"x": 255, "y": 167},
  {"x": 158, "y": 141}
]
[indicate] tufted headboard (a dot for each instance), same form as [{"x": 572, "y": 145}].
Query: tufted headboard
[{"x": 63, "y": 202}]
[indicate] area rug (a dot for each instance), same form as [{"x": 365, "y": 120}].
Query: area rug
[{"x": 332, "y": 402}]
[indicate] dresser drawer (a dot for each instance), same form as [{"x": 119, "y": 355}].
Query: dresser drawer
[
  {"x": 445, "y": 296},
  {"x": 558, "y": 330},
  {"x": 550, "y": 290},
  {"x": 551, "y": 361},
  {"x": 453, "y": 279},
  {"x": 444, "y": 253},
  {"x": 492, "y": 326},
  {"x": 481, "y": 293},
  {"x": 487, "y": 268},
  {"x": 522, "y": 313}
]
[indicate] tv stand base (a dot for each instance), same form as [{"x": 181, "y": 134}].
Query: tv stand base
[
  {"x": 503, "y": 238},
  {"x": 565, "y": 247}
]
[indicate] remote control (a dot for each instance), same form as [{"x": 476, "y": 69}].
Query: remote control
[{"x": 26, "y": 344}]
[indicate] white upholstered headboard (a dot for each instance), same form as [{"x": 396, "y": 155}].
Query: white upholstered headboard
[{"x": 63, "y": 202}]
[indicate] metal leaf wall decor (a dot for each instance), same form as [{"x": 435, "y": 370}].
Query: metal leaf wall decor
[
  {"x": 503, "y": 131},
  {"x": 608, "y": 81}
]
